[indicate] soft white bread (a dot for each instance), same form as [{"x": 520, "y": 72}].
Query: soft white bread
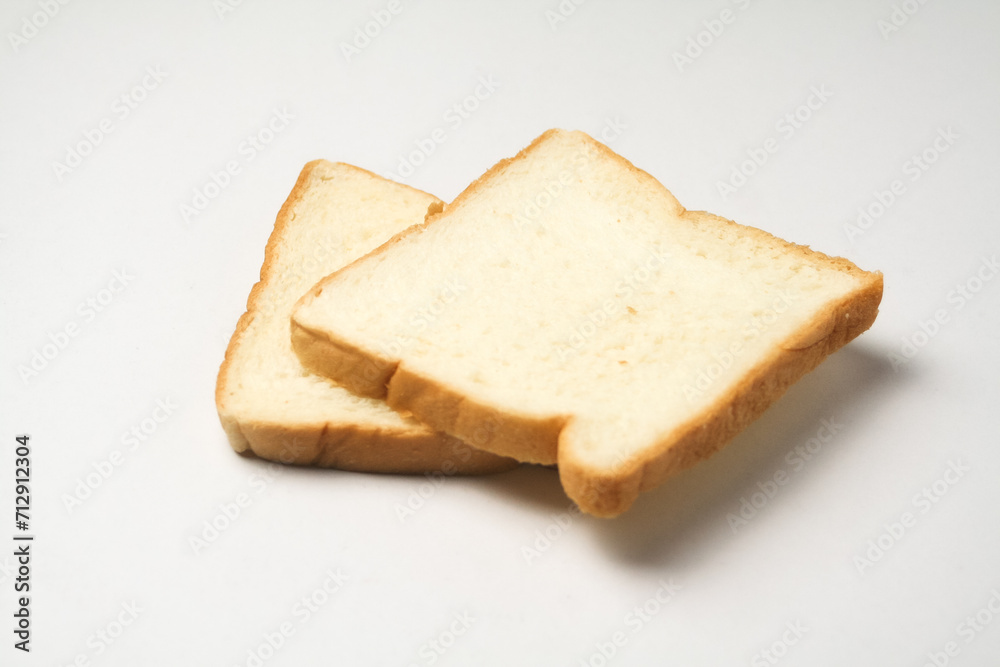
[
  {"x": 566, "y": 308},
  {"x": 268, "y": 403}
]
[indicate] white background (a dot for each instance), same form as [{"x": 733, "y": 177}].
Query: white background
[{"x": 468, "y": 549}]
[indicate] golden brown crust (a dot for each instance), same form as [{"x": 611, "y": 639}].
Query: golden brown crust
[
  {"x": 341, "y": 445},
  {"x": 363, "y": 373},
  {"x": 604, "y": 494},
  {"x": 534, "y": 439},
  {"x": 542, "y": 440},
  {"x": 295, "y": 196},
  {"x": 348, "y": 447}
]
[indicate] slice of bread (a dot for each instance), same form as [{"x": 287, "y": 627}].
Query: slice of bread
[
  {"x": 567, "y": 309},
  {"x": 268, "y": 403}
]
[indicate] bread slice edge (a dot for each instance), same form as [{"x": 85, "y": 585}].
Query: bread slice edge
[
  {"x": 346, "y": 446},
  {"x": 546, "y": 439},
  {"x": 608, "y": 493}
]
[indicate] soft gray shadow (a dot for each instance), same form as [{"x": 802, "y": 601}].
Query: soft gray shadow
[
  {"x": 677, "y": 521},
  {"x": 531, "y": 486},
  {"x": 681, "y": 520}
]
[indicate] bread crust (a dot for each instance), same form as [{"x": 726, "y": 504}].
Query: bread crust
[
  {"x": 534, "y": 438},
  {"x": 548, "y": 440},
  {"x": 602, "y": 494},
  {"x": 350, "y": 447},
  {"x": 370, "y": 374},
  {"x": 342, "y": 445}
]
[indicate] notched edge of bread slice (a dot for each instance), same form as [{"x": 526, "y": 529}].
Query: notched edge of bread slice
[
  {"x": 543, "y": 440},
  {"x": 368, "y": 374}
]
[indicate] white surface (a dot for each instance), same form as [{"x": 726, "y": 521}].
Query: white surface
[{"x": 163, "y": 336}]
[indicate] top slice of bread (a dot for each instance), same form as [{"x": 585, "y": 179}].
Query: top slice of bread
[
  {"x": 566, "y": 308},
  {"x": 267, "y": 402}
]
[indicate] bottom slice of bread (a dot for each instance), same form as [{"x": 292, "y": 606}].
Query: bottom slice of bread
[
  {"x": 268, "y": 403},
  {"x": 567, "y": 309}
]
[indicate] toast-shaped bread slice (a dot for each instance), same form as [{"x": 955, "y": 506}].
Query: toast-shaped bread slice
[
  {"x": 567, "y": 309},
  {"x": 268, "y": 403}
]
